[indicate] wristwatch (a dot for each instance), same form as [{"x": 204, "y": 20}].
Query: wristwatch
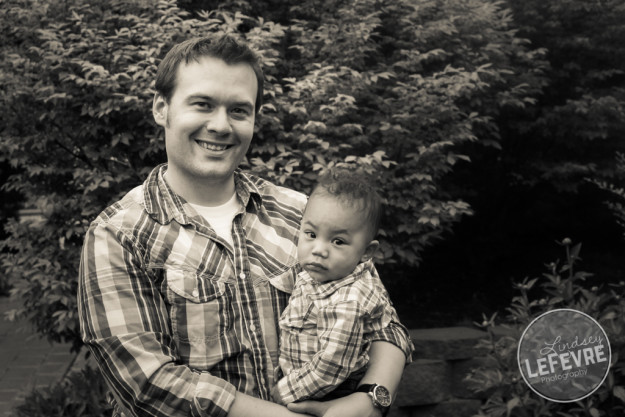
[{"x": 380, "y": 396}]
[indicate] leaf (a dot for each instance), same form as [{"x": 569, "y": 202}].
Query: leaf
[
  {"x": 511, "y": 404},
  {"x": 619, "y": 392}
]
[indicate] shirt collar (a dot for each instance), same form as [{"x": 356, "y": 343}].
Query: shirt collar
[{"x": 164, "y": 205}]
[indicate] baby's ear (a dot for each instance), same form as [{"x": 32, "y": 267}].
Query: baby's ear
[{"x": 370, "y": 250}]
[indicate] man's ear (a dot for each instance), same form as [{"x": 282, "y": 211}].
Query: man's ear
[
  {"x": 160, "y": 109},
  {"x": 370, "y": 250}
]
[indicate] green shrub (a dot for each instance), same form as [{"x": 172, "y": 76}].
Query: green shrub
[
  {"x": 399, "y": 87},
  {"x": 391, "y": 86},
  {"x": 562, "y": 286},
  {"x": 614, "y": 187},
  {"x": 81, "y": 394},
  {"x": 78, "y": 85}
]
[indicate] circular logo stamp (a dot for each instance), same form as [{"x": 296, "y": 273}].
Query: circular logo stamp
[{"x": 564, "y": 355}]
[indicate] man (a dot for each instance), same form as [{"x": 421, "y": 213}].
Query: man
[{"x": 182, "y": 281}]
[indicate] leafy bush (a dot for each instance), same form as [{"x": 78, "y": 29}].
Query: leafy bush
[
  {"x": 391, "y": 86},
  {"x": 79, "y": 130},
  {"x": 81, "y": 394},
  {"x": 562, "y": 286},
  {"x": 614, "y": 187},
  {"x": 396, "y": 86},
  {"x": 582, "y": 111}
]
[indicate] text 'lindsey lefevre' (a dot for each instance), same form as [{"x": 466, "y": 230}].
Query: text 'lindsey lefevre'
[{"x": 567, "y": 356}]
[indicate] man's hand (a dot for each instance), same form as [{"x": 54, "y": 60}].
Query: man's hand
[{"x": 358, "y": 404}]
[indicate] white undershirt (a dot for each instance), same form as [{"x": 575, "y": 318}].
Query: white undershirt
[{"x": 220, "y": 217}]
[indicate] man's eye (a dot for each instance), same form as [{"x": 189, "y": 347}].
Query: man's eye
[
  {"x": 203, "y": 105},
  {"x": 240, "y": 112}
]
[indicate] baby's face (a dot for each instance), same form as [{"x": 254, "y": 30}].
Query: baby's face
[{"x": 333, "y": 239}]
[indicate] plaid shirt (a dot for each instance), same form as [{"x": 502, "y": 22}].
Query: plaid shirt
[
  {"x": 326, "y": 331},
  {"x": 177, "y": 318}
]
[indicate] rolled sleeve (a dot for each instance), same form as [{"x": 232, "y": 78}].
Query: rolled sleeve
[{"x": 396, "y": 334}]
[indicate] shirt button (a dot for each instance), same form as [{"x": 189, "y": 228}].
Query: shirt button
[
  {"x": 252, "y": 327},
  {"x": 242, "y": 275},
  {"x": 262, "y": 381},
  {"x": 195, "y": 293}
]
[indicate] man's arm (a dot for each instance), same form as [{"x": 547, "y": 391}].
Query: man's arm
[
  {"x": 247, "y": 406},
  {"x": 386, "y": 366},
  {"x": 125, "y": 324},
  {"x": 390, "y": 351}
]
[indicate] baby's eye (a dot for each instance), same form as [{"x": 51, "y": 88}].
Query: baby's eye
[
  {"x": 339, "y": 242},
  {"x": 310, "y": 235}
]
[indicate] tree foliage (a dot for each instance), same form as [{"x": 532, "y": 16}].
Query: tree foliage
[
  {"x": 581, "y": 114},
  {"x": 398, "y": 88},
  {"x": 536, "y": 188},
  {"x": 77, "y": 87},
  {"x": 562, "y": 286}
]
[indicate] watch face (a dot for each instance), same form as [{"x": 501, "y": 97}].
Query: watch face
[{"x": 382, "y": 396}]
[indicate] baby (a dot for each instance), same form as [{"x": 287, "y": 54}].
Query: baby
[{"x": 338, "y": 299}]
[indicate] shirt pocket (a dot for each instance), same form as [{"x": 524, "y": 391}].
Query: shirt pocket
[
  {"x": 200, "y": 316},
  {"x": 299, "y": 314},
  {"x": 298, "y": 337}
]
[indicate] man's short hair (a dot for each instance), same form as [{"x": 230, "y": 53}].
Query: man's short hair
[
  {"x": 223, "y": 47},
  {"x": 353, "y": 189}
]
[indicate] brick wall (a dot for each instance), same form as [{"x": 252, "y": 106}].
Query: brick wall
[{"x": 433, "y": 384}]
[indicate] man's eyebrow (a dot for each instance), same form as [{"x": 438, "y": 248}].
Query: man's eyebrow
[
  {"x": 239, "y": 103},
  {"x": 199, "y": 96},
  {"x": 244, "y": 103}
]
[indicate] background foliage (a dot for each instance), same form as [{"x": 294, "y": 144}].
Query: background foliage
[
  {"x": 538, "y": 187},
  {"x": 464, "y": 121},
  {"x": 563, "y": 285},
  {"x": 81, "y": 394}
]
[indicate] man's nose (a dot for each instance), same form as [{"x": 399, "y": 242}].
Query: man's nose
[{"x": 219, "y": 122}]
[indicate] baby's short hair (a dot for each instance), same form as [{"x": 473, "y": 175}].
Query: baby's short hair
[{"x": 353, "y": 189}]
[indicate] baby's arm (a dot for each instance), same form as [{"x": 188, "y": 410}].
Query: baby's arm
[{"x": 340, "y": 333}]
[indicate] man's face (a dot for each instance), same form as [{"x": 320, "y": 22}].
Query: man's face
[
  {"x": 333, "y": 239},
  {"x": 209, "y": 120}
]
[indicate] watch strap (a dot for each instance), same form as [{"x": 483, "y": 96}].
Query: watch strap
[
  {"x": 368, "y": 388},
  {"x": 364, "y": 388}
]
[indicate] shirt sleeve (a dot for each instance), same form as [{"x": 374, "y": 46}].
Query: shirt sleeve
[
  {"x": 340, "y": 333},
  {"x": 395, "y": 333},
  {"x": 125, "y": 324}
]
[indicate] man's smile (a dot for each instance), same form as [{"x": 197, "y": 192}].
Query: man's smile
[{"x": 213, "y": 146}]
